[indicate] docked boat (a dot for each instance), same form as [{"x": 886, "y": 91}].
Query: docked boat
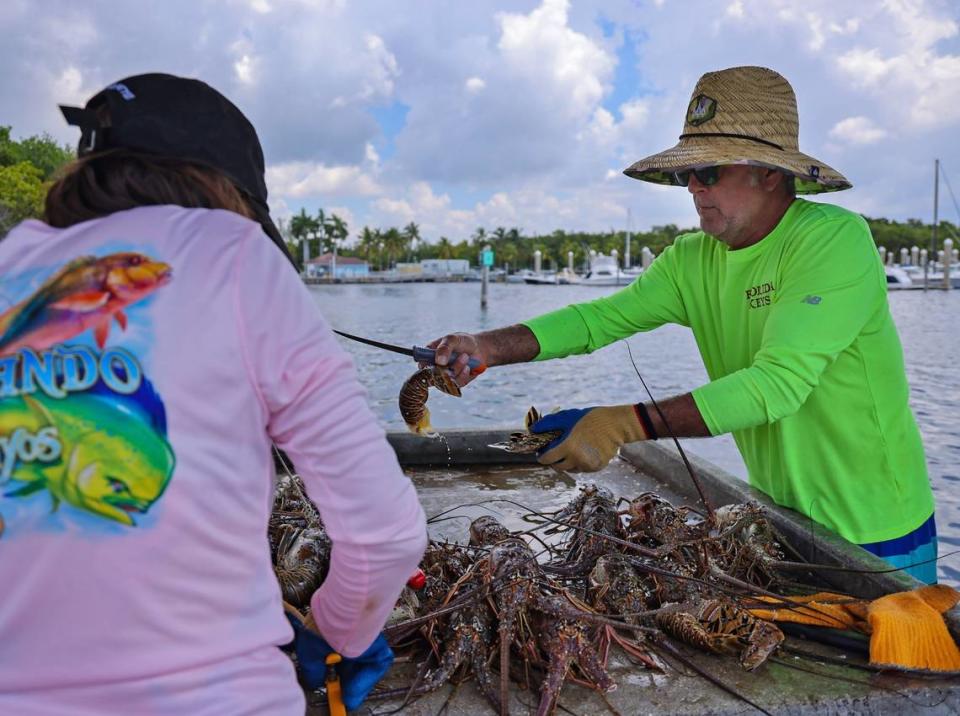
[
  {"x": 899, "y": 279},
  {"x": 912, "y": 278},
  {"x": 519, "y": 276},
  {"x": 543, "y": 278},
  {"x": 462, "y": 477},
  {"x": 605, "y": 271},
  {"x": 934, "y": 277}
]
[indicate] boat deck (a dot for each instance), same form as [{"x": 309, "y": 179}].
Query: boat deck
[{"x": 462, "y": 479}]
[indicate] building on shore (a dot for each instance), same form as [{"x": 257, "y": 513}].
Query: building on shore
[
  {"x": 442, "y": 268},
  {"x": 347, "y": 267},
  {"x": 434, "y": 269}
]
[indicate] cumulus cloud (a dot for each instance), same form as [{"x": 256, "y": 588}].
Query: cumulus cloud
[
  {"x": 857, "y": 130},
  {"x": 69, "y": 87},
  {"x": 543, "y": 82},
  {"x": 419, "y": 204},
  {"x": 308, "y": 179},
  {"x": 543, "y": 44},
  {"x": 378, "y": 83},
  {"x": 921, "y": 82}
]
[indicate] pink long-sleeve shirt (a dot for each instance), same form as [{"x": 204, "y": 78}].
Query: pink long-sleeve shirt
[{"x": 147, "y": 361}]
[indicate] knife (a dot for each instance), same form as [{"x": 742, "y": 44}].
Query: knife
[{"x": 419, "y": 354}]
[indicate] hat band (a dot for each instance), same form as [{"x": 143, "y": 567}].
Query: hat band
[{"x": 732, "y": 136}]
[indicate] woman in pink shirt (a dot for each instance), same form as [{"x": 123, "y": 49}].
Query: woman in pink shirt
[{"x": 154, "y": 342}]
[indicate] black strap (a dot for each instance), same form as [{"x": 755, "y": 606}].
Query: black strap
[
  {"x": 646, "y": 422},
  {"x": 93, "y": 135},
  {"x": 731, "y": 136}
]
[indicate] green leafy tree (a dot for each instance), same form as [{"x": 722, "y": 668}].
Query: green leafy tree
[
  {"x": 508, "y": 252},
  {"x": 302, "y": 227},
  {"x": 394, "y": 245},
  {"x": 26, "y": 168},
  {"x": 411, "y": 233},
  {"x": 444, "y": 248},
  {"x": 337, "y": 231},
  {"x": 22, "y": 191},
  {"x": 367, "y": 244},
  {"x": 41, "y": 151}
]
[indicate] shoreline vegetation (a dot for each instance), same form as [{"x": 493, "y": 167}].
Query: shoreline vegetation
[{"x": 27, "y": 167}]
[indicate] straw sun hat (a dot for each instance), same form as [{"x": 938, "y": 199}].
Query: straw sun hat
[{"x": 741, "y": 115}]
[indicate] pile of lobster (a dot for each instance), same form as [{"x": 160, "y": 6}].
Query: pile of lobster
[
  {"x": 299, "y": 545},
  {"x": 546, "y": 606}
]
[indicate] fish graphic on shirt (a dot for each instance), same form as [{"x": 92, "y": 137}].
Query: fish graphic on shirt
[
  {"x": 89, "y": 292},
  {"x": 97, "y": 452}
]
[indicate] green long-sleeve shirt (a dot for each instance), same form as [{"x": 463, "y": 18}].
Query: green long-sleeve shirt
[{"x": 805, "y": 364}]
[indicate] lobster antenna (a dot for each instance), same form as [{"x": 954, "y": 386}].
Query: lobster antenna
[{"x": 683, "y": 455}]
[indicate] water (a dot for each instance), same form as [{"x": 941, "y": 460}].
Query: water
[{"x": 667, "y": 358}]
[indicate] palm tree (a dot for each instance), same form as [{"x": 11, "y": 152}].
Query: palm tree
[
  {"x": 301, "y": 227},
  {"x": 444, "y": 248},
  {"x": 368, "y": 242},
  {"x": 479, "y": 237},
  {"x": 395, "y": 243},
  {"x": 411, "y": 232},
  {"x": 508, "y": 253},
  {"x": 566, "y": 247},
  {"x": 336, "y": 232}
]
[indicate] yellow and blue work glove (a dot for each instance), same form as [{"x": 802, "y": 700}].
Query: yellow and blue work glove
[
  {"x": 591, "y": 436},
  {"x": 358, "y": 675}
]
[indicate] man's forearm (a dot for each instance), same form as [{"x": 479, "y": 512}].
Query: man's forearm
[
  {"x": 683, "y": 418},
  {"x": 512, "y": 344}
]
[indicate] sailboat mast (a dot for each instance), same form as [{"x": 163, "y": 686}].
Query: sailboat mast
[
  {"x": 932, "y": 253},
  {"x": 626, "y": 248}
]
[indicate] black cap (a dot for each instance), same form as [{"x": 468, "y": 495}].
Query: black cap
[{"x": 182, "y": 118}]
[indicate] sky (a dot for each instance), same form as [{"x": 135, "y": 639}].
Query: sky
[{"x": 458, "y": 115}]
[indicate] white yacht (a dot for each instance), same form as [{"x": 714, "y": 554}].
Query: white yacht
[
  {"x": 899, "y": 279},
  {"x": 604, "y": 271},
  {"x": 544, "y": 278},
  {"x": 520, "y": 276}
]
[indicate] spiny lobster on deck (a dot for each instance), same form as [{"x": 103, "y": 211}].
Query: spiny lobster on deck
[{"x": 633, "y": 574}]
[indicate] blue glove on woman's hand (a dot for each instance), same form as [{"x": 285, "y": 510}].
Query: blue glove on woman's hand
[
  {"x": 358, "y": 675},
  {"x": 590, "y": 437}
]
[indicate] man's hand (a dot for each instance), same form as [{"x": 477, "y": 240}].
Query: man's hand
[
  {"x": 467, "y": 346},
  {"x": 513, "y": 344},
  {"x": 590, "y": 437},
  {"x": 358, "y": 675}
]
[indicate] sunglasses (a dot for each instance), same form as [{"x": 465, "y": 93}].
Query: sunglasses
[{"x": 708, "y": 176}]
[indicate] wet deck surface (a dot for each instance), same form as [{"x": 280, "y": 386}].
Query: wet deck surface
[
  {"x": 787, "y": 684},
  {"x": 510, "y": 491}
]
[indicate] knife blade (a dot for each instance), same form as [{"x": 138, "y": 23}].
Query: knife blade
[{"x": 418, "y": 353}]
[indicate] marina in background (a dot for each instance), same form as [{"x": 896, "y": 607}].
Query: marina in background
[{"x": 910, "y": 269}]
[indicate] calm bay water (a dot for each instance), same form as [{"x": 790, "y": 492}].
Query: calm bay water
[{"x": 667, "y": 358}]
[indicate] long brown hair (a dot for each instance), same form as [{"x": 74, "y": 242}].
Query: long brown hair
[{"x": 100, "y": 184}]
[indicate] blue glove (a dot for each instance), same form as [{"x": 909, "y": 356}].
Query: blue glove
[
  {"x": 590, "y": 437},
  {"x": 358, "y": 675}
]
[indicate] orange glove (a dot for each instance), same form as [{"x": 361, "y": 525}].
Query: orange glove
[
  {"x": 906, "y": 628},
  {"x": 909, "y": 631},
  {"x": 836, "y": 611}
]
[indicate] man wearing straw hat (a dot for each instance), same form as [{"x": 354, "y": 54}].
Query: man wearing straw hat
[{"x": 787, "y": 300}]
